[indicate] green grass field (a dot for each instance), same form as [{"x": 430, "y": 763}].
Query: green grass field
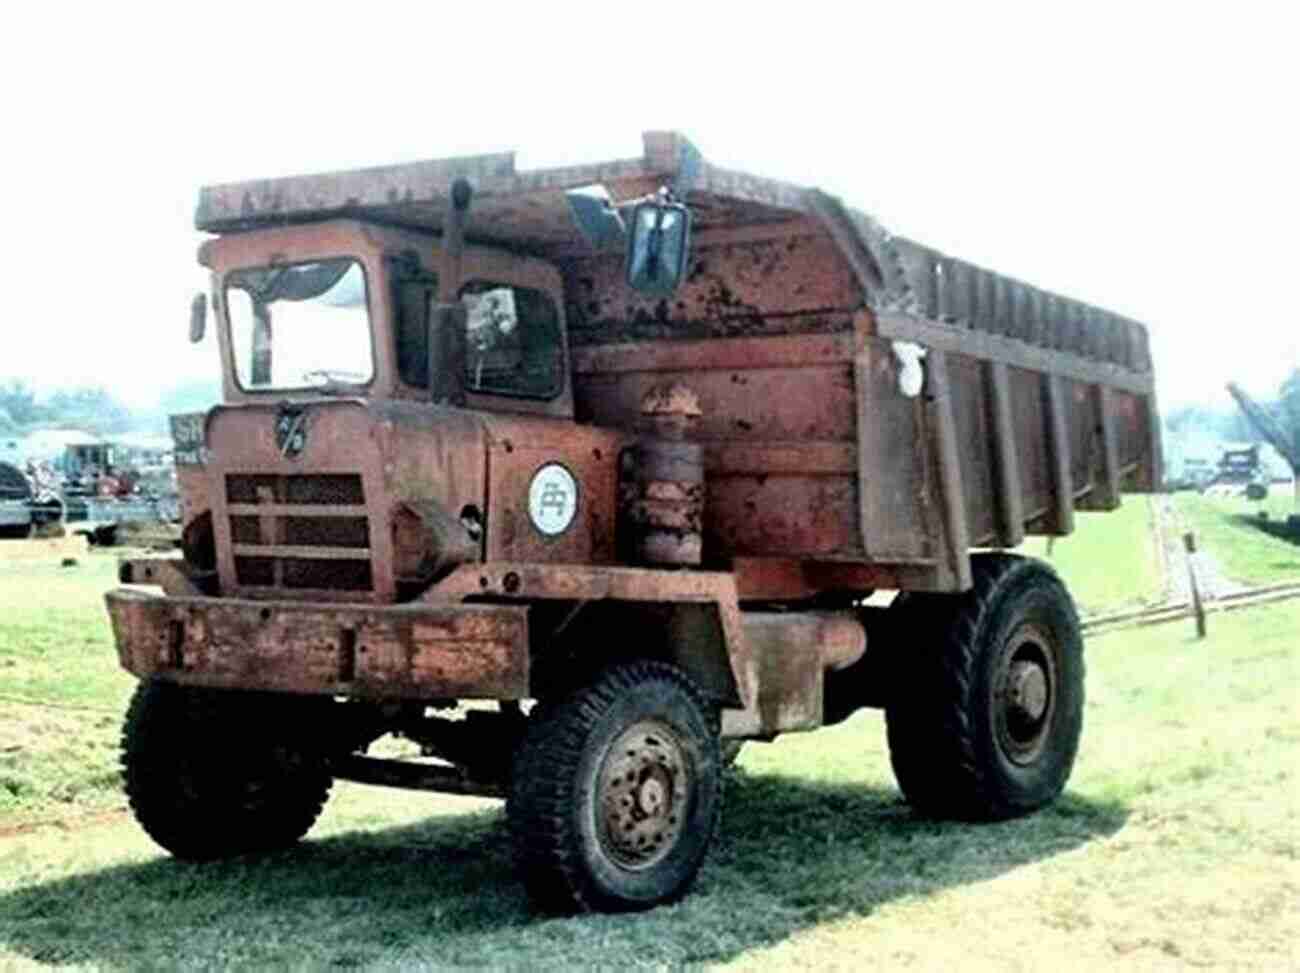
[
  {"x": 1110, "y": 561},
  {"x": 1174, "y": 846},
  {"x": 62, "y": 693},
  {"x": 1229, "y": 528}
]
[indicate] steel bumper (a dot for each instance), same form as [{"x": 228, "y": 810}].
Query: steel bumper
[{"x": 408, "y": 651}]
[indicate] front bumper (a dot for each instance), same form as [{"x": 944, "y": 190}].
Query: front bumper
[{"x": 408, "y": 651}]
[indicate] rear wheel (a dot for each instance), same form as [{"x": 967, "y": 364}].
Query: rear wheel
[
  {"x": 616, "y": 791},
  {"x": 986, "y": 712},
  {"x": 212, "y": 773}
]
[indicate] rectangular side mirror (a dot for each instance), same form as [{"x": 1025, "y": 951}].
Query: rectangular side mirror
[
  {"x": 658, "y": 247},
  {"x": 198, "y": 317}
]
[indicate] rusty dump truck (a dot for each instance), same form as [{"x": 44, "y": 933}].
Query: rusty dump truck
[{"x": 579, "y": 477}]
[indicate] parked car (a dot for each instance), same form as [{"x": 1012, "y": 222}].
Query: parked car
[{"x": 15, "y": 502}]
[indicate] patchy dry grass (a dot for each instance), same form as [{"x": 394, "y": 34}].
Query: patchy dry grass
[
  {"x": 1175, "y": 846},
  {"x": 62, "y": 693},
  {"x": 56, "y": 762}
]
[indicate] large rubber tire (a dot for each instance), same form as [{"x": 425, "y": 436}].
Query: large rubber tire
[
  {"x": 216, "y": 773},
  {"x": 987, "y": 707},
  {"x": 616, "y": 792}
]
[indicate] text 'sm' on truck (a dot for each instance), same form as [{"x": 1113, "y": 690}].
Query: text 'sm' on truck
[{"x": 579, "y": 477}]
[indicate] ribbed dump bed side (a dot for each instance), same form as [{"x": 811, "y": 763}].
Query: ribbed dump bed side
[{"x": 952, "y": 291}]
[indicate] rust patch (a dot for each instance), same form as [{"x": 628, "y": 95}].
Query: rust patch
[{"x": 421, "y": 651}]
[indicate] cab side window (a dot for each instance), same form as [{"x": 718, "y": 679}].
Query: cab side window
[
  {"x": 512, "y": 341},
  {"x": 415, "y": 290}
]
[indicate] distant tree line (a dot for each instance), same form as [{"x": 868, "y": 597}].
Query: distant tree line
[{"x": 95, "y": 408}]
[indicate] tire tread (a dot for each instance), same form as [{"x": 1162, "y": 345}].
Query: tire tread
[
  {"x": 543, "y": 794},
  {"x": 169, "y": 726}
]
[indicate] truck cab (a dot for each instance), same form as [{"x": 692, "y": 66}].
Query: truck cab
[{"x": 324, "y": 337}]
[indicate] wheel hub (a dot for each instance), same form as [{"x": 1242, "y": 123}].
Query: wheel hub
[
  {"x": 1027, "y": 692},
  {"x": 650, "y": 796},
  {"x": 1026, "y": 697},
  {"x": 641, "y": 801}
]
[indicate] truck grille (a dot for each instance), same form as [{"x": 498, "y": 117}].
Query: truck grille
[{"x": 300, "y": 532}]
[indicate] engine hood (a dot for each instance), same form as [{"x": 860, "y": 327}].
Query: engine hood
[{"x": 278, "y": 471}]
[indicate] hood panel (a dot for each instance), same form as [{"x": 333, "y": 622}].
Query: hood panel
[{"x": 304, "y": 495}]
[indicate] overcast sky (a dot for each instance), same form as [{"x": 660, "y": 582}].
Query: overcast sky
[{"x": 1138, "y": 156}]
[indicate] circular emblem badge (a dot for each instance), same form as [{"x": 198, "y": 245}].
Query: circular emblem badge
[
  {"x": 291, "y": 431},
  {"x": 552, "y": 499}
]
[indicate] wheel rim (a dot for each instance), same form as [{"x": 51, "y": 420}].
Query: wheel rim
[
  {"x": 1024, "y": 703},
  {"x": 643, "y": 788}
]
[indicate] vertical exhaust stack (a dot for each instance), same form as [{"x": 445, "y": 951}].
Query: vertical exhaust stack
[
  {"x": 666, "y": 505},
  {"x": 447, "y": 343}
]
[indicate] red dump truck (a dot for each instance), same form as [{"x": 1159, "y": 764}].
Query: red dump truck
[{"x": 579, "y": 477}]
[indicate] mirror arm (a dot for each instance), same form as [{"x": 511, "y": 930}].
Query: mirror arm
[{"x": 447, "y": 342}]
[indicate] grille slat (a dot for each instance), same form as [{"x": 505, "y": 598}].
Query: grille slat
[
  {"x": 297, "y": 509},
  {"x": 326, "y": 488},
  {"x": 303, "y": 552}
]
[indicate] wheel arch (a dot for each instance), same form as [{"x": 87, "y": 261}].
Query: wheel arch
[{"x": 572, "y": 643}]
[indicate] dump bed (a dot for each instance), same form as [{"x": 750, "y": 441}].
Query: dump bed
[{"x": 793, "y": 330}]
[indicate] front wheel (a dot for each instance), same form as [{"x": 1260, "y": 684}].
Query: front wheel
[
  {"x": 216, "y": 773},
  {"x": 616, "y": 792},
  {"x": 985, "y": 714}
]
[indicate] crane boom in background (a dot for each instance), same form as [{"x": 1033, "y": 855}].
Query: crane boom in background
[
  {"x": 1272, "y": 430},
  {"x": 1267, "y": 426}
]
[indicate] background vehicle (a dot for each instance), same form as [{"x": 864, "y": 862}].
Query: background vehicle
[
  {"x": 15, "y": 502},
  {"x": 633, "y": 494}
]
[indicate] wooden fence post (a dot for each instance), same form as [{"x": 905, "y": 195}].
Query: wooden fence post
[{"x": 1198, "y": 609}]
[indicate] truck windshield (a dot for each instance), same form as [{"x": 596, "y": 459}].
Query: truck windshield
[{"x": 300, "y": 326}]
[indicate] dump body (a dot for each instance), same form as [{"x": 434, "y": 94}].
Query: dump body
[{"x": 823, "y": 469}]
